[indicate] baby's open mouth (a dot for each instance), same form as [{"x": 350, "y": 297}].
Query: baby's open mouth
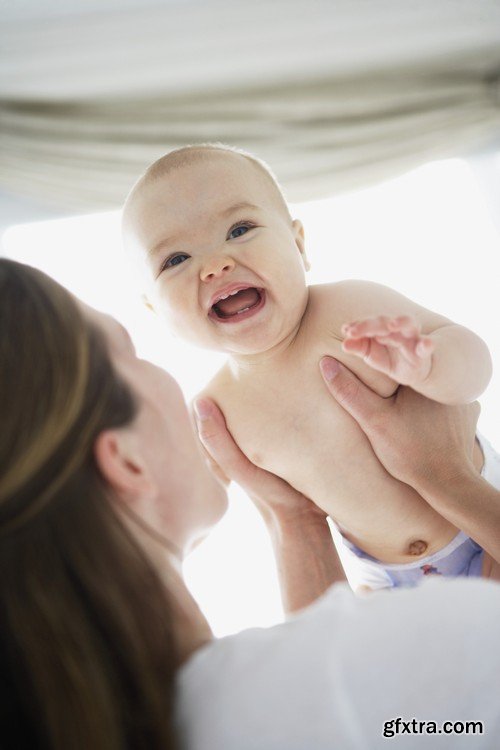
[{"x": 237, "y": 303}]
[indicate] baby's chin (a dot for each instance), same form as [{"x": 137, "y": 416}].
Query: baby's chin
[
  {"x": 248, "y": 335},
  {"x": 233, "y": 342},
  {"x": 259, "y": 341}
]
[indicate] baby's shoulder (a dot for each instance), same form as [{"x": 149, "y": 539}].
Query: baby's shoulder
[
  {"x": 343, "y": 301},
  {"x": 339, "y": 302},
  {"x": 348, "y": 292}
]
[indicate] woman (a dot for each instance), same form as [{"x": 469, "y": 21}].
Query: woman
[{"x": 103, "y": 491}]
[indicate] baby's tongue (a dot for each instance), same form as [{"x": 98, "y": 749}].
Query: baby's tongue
[{"x": 237, "y": 302}]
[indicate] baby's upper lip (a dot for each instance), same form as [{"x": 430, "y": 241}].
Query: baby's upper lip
[{"x": 228, "y": 289}]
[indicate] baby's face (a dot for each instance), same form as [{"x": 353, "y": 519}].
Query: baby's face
[{"x": 212, "y": 229}]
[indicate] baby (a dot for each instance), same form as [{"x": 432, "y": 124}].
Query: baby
[{"x": 226, "y": 267}]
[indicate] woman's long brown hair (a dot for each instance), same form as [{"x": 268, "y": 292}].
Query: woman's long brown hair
[{"x": 87, "y": 654}]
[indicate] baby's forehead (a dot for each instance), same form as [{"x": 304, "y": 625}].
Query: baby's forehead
[
  {"x": 216, "y": 182},
  {"x": 225, "y": 169}
]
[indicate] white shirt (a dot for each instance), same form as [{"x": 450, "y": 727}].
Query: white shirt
[{"x": 328, "y": 678}]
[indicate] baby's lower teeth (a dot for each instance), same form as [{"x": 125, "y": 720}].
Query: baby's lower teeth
[{"x": 242, "y": 311}]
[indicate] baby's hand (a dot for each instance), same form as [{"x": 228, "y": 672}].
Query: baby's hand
[{"x": 394, "y": 346}]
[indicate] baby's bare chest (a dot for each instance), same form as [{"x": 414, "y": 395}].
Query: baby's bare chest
[{"x": 284, "y": 419}]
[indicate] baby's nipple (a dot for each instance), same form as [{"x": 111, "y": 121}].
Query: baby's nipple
[{"x": 417, "y": 547}]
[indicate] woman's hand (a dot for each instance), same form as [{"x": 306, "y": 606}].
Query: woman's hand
[
  {"x": 428, "y": 446},
  {"x": 413, "y": 437},
  {"x": 306, "y": 559},
  {"x": 271, "y": 495}
]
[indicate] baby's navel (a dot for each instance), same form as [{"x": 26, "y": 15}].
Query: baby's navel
[{"x": 417, "y": 547}]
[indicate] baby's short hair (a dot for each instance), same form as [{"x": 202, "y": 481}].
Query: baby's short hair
[{"x": 193, "y": 153}]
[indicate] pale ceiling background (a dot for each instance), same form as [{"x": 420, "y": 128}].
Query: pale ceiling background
[{"x": 334, "y": 94}]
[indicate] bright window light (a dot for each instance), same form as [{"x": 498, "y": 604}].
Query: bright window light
[{"x": 427, "y": 234}]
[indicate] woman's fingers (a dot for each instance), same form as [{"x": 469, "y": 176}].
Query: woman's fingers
[
  {"x": 218, "y": 442},
  {"x": 265, "y": 489},
  {"x": 413, "y": 436},
  {"x": 215, "y": 468},
  {"x": 353, "y": 395},
  {"x": 475, "y": 411},
  {"x": 220, "y": 445}
]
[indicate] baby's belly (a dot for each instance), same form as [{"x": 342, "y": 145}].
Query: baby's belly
[{"x": 382, "y": 516}]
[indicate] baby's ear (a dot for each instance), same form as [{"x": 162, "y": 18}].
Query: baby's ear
[
  {"x": 147, "y": 303},
  {"x": 300, "y": 241}
]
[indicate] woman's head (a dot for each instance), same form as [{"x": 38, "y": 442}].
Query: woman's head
[
  {"x": 156, "y": 464},
  {"x": 87, "y": 445},
  {"x": 58, "y": 391}
]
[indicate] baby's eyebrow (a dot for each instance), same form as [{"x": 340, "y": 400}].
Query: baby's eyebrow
[
  {"x": 241, "y": 205},
  {"x": 159, "y": 246},
  {"x": 238, "y": 207}
]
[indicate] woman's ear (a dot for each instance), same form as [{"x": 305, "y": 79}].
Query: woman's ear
[
  {"x": 298, "y": 231},
  {"x": 122, "y": 466}
]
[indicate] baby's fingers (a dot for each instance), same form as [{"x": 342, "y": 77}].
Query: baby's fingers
[
  {"x": 412, "y": 349},
  {"x": 374, "y": 354},
  {"x": 424, "y": 347},
  {"x": 356, "y": 346},
  {"x": 405, "y": 324},
  {"x": 368, "y": 327}
]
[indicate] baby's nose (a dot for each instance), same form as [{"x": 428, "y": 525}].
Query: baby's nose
[{"x": 216, "y": 266}]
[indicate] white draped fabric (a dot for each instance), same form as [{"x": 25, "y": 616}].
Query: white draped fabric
[{"x": 334, "y": 94}]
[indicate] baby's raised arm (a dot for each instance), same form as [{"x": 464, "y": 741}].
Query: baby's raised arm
[{"x": 414, "y": 346}]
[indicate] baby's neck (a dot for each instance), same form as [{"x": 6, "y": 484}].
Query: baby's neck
[{"x": 241, "y": 364}]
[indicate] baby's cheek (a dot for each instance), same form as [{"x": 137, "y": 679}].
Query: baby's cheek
[
  {"x": 181, "y": 318},
  {"x": 172, "y": 304},
  {"x": 183, "y": 315},
  {"x": 187, "y": 323}
]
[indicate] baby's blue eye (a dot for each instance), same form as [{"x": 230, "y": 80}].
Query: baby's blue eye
[
  {"x": 175, "y": 260},
  {"x": 239, "y": 231}
]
